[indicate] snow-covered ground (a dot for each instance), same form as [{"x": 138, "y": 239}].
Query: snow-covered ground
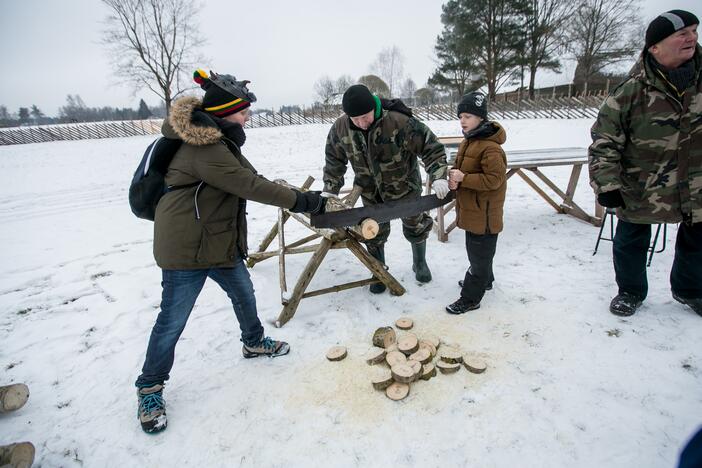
[{"x": 568, "y": 383}]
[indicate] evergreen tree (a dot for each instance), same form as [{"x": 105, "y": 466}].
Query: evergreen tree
[
  {"x": 482, "y": 35},
  {"x": 144, "y": 112},
  {"x": 23, "y": 115}
]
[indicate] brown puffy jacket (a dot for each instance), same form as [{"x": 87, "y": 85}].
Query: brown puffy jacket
[
  {"x": 202, "y": 227},
  {"x": 480, "y": 197}
]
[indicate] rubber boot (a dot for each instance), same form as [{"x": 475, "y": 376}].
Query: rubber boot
[
  {"x": 377, "y": 252},
  {"x": 419, "y": 262},
  {"x": 20, "y": 455}
]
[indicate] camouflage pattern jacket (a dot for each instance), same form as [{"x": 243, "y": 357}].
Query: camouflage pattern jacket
[
  {"x": 647, "y": 142},
  {"x": 384, "y": 159}
]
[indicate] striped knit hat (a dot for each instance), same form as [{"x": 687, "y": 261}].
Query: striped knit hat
[{"x": 223, "y": 94}]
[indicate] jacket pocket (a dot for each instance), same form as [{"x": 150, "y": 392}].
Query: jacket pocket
[{"x": 217, "y": 238}]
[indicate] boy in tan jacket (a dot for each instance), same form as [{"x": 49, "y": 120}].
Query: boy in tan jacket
[{"x": 479, "y": 178}]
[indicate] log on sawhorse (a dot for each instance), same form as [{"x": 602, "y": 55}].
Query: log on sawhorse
[{"x": 338, "y": 238}]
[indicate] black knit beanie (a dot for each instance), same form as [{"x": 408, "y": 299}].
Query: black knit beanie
[
  {"x": 473, "y": 103},
  {"x": 357, "y": 100},
  {"x": 667, "y": 24}
]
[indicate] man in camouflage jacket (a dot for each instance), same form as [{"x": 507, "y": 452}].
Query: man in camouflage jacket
[
  {"x": 382, "y": 140},
  {"x": 646, "y": 160}
]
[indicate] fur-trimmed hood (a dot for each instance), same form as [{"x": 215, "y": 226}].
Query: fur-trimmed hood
[{"x": 187, "y": 121}]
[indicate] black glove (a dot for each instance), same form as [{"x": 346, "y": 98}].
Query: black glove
[
  {"x": 611, "y": 199},
  {"x": 309, "y": 202}
]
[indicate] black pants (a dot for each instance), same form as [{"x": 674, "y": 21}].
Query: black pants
[
  {"x": 481, "y": 251},
  {"x": 631, "y": 243}
]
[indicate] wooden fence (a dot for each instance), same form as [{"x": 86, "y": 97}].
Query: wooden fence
[{"x": 543, "y": 107}]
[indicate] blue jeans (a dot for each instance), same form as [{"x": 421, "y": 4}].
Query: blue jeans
[{"x": 180, "y": 290}]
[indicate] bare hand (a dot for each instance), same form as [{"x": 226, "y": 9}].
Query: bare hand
[{"x": 455, "y": 175}]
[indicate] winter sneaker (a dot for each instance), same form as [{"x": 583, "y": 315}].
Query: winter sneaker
[
  {"x": 20, "y": 455},
  {"x": 13, "y": 397},
  {"x": 462, "y": 306},
  {"x": 695, "y": 303},
  {"x": 266, "y": 347},
  {"x": 377, "y": 252},
  {"x": 152, "y": 409},
  {"x": 419, "y": 262},
  {"x": 487, "y": 288},
  {"x": 625, "y": 304}
]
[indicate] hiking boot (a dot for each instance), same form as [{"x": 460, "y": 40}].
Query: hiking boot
[
  {"x": 462, "y": 306},
  {"x": 152, "y": 409},
  {"x": 19, "y": 455},
  {"x": 625, "y": 304},
  {"x": 13, "y": 397},
  {"x": 266, "y": 347},
  {"x": 377, "y": 252},
  {"x": 695, "y": 303},
  {"x": 419, "y": 262},
  {"x": 487, "y": 288}
]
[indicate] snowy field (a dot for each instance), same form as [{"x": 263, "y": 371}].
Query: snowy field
[{"x": 568, "y": 384}]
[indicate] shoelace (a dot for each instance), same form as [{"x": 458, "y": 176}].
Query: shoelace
[
  {"x": 152, "y": 402},
  {"x": 268, "y": 343}
]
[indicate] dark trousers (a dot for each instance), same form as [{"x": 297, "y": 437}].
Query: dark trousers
[
  {"x": 180, "y": 290},
  {"x": 631, "y": 242},
  {"x": 481, "y": 250}
]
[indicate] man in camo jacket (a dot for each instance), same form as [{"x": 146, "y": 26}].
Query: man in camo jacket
[
  {"x": 382, "y": 140},
  {"x": 646, "y": 160}
]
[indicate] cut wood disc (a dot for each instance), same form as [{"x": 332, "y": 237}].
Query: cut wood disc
[
  {"x": 428, "y": 371},
  {"x": 447, "y": 368},
  {"x": 375, "y": 355},
  {"x": 336, "y": 353},
  {"x": 404, "y": 323},
  {"x": 395, "y": 357},
  {"x": 391, "y": 348},
  {"x": 474, "y": 365},
  {"x": 451, "y": 355},
  {"x": 384, "y": 337},
  {"x": 422, "y": 355},
  {"x": 369, "y": 228},
  {"x": 397, "y": 391},
  {"x": 403, "y": 373},
  {"x": 416, "y": 368},
  {"x": 382, "y": 379},
  {"x": 433, "y": 339},
  {"x": 408, "y": 343},
  {"x": 428, "y": 345}
]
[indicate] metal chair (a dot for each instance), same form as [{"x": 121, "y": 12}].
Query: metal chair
[{"x": 609, "y": 214}]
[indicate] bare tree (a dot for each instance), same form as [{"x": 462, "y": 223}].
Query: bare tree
[
  {"x": 604, "y": 32},
  {"x": 389, "y": 65},
  {"x": 154, "y": 44},
  {"x": 343, "y": 83},
  {"x": 324, "y": 89},
  {"x": 408, "y": 89},
  {"x": 545, "y": 35}
]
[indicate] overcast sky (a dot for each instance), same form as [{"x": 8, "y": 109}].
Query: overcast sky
[{"x": 51, "y": 48}]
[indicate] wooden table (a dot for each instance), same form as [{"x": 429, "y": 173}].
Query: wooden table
[{"x": 523, "y": 162}]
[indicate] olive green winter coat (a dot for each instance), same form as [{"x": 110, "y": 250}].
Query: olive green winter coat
[
  {"x": 647, "y": 143},
  {"x": 205, "y": 226}
]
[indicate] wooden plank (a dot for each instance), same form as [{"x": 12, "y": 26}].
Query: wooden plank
[
  {"x": 377, "y": 268},
  {"x": 538, "y": 190},
  {"x": 303, "y": 281},
  {"x": 281, "y": 254},
  {"x": 340, "y": 287}
]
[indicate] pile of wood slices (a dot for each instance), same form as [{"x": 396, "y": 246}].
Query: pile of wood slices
[{"x": 409, "y": 358}]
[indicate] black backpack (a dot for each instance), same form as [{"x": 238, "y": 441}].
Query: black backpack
[{"x": 149, "y": 184}]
